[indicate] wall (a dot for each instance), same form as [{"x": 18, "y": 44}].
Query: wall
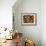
[
  {"x": 6, "y": 13},
  {"x": 6, "y": 16},
  {"x": 43, "y": 22},
  {"x": 29, "y": 32}
]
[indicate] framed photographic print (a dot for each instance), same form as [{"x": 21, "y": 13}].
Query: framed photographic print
[{"x": 29, "y": 19}]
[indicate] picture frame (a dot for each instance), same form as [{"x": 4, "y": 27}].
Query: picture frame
[{"x": 29, "y": 19}]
